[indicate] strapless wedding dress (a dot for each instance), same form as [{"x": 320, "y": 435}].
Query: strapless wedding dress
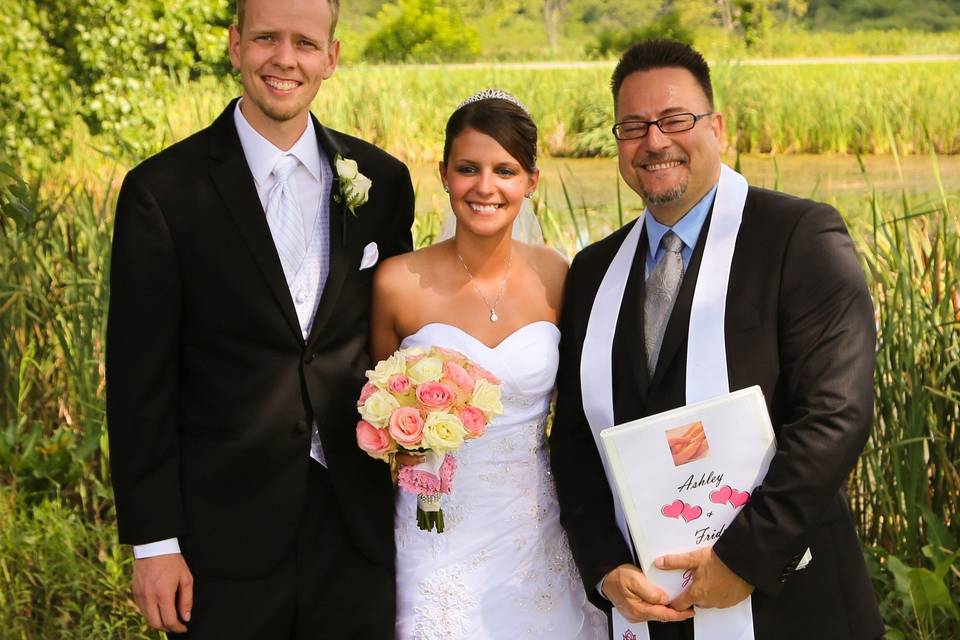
[{"x": 502, "y": 568}]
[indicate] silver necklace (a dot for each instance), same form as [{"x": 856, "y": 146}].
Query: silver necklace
[{"x": 503, "y": 284}]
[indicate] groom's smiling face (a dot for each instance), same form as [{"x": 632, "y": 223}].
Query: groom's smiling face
[{"x": 284, "y": 51}]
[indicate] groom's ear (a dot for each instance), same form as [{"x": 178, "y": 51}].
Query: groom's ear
[
  {"x": 234, "y": 45},
  {"x": 333, "y": 56}
]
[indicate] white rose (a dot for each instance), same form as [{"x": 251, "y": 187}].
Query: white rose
[
  {"x": 443, "y": 432},
  {"x": 486, "y": 397},
  {"x": 412, "y": 351},
  {"x": 347, "y": 169},
  {"x": 378, "y": 407},
  {"x": 358, "y": 190},
  {"x": 425, "y": 370},
  {"x": 386, "y": 369}
]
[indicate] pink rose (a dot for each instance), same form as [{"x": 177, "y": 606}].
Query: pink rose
[
  {"x": 459, "y": 376},
  {"x": 376, "y": 442},
  {"x": 368, "y": 390},
  {"x": 406, "y": 427},
  {"x": 434, "y": 395},
  {"x": 474, "y": 421},
  {"x": 479, "y": 372},
  {"x": 398, "y": 384}
]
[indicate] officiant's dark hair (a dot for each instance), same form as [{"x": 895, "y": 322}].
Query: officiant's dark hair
[
  {"x": 334, "y": 14},
  {"x": 507, "y": 123},
  {"x": 659, "y": 54}
]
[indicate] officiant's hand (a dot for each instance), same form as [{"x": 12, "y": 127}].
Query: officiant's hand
[
  {"x": 713, "y": 586},
  {"x": 163, "y": 588},
  {"x": 638, "y": 599}
]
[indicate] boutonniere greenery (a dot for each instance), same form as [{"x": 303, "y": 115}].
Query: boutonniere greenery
[{"x": 353, "y": 188}]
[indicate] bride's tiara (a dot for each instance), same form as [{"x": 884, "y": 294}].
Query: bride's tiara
[{"x": 489, "y": 94}]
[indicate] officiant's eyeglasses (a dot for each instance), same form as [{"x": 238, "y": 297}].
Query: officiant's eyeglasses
[{"x": 674, "y": 123}]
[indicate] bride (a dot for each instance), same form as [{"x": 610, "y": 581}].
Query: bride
[{"x": 502, "y": 567}]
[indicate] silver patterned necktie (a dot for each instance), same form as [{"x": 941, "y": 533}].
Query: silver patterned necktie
[
  {"x": 285, "y": 218},
  {"x": 661, "y": 292}
]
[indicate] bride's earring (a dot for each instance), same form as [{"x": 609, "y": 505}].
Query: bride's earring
[{"x": 446, "y": 188}]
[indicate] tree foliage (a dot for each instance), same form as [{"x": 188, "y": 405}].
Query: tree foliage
[
  {"x": 422, "y": 31},
  {"x": 613, "y": 42},
  {"x": 106, "y": 61}
]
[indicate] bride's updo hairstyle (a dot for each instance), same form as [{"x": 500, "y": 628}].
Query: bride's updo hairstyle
[{"x": 499, "y": 115}]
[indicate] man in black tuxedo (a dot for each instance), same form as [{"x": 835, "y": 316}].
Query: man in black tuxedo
[
  {"x": 236, "y": 346},
  {"x": 798, "y": 322}
]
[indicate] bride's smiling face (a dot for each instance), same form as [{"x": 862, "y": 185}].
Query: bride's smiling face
[{"x": 486, "y": 184}]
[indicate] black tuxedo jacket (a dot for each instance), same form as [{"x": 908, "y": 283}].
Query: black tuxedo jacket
[
  {"x": 211, "y": 389},
  {"x": 799, "y": 323}
]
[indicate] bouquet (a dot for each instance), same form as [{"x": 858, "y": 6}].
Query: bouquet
[{"x": 425, "y": 401}]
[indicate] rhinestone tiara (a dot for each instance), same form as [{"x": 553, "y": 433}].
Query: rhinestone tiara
[{"x": 491, "y": 94}]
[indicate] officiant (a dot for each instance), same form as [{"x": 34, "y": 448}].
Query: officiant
[{"x": 787, "y": 309}]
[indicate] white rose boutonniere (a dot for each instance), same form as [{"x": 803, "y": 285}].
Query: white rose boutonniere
[{"x": 353, "y": 186}]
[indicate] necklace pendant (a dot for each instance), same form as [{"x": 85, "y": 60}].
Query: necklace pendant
[{"x": 493, "y": 315}]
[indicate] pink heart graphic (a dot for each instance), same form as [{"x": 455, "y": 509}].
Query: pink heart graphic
[
  {"x": 721, "y": 495},
  {"x": 674, "y": 509},
  {"x": 739, "y": 498},
  {"x": 690, "y": 512}
]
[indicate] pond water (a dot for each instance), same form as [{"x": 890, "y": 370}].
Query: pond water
[{"x": 830, "y": 178}]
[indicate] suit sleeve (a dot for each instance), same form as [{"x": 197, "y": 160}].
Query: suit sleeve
[
  {"x": 827, "y": 341},
  {"x": 142, "y": 370},
  {"x": 586, "y": 502}
]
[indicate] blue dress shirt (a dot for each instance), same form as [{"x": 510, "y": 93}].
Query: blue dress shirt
[{"x": 687, "y": 228}]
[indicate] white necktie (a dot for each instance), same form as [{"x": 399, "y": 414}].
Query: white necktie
[{"x": 285, "y": 218}]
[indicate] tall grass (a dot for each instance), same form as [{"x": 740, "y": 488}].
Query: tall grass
[
  {"x": 784, "y": 109},
  {"x": 62, "y": 574}
]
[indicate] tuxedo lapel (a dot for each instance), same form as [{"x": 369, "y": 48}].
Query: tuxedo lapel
[
  {"x": 234, "y": 182},
  {"x": 342, "y": 222},
  {"x": 675, "y": 333}
]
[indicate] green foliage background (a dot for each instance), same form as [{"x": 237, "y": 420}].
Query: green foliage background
[
  {"x": 107, "y": 62},
  {"x": 89, "y": 88}
]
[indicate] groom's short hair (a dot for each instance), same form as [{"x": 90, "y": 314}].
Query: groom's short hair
[
  {"x": 660, "y": 53},
  {"x": 334, "y": 14}
]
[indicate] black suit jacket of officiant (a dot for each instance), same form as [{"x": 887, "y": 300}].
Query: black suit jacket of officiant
[
  {"x": 211, "y": 389},
  {"x": 800, "y": 324}
]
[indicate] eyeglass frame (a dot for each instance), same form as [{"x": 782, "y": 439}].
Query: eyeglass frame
[{"x": 696, "y": 118}]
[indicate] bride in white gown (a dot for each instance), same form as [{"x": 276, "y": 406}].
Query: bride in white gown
[{"x": 502, "y": 567}]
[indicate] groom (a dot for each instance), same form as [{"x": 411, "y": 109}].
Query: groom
[
  {"x": 797, "y": 321},
  {"x": 236, "y": 345}
]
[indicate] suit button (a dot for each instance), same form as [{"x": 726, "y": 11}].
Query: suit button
[
  {"x": 310, "y": 357},
  {"x": 299, "y": 429}
]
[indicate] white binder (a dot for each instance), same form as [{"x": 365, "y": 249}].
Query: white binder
[{"x": 683, "y": 475}]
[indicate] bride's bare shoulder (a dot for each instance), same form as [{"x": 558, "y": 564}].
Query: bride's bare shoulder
[
  {"x": 550, "y": 264},
  {"x": 407, "y": 270}
]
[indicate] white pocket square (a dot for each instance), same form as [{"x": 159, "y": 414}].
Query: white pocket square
[{"x": 370, "y": 256}]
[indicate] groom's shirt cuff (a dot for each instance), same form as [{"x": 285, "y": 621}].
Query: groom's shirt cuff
[{"x": 160, "y": 548}]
